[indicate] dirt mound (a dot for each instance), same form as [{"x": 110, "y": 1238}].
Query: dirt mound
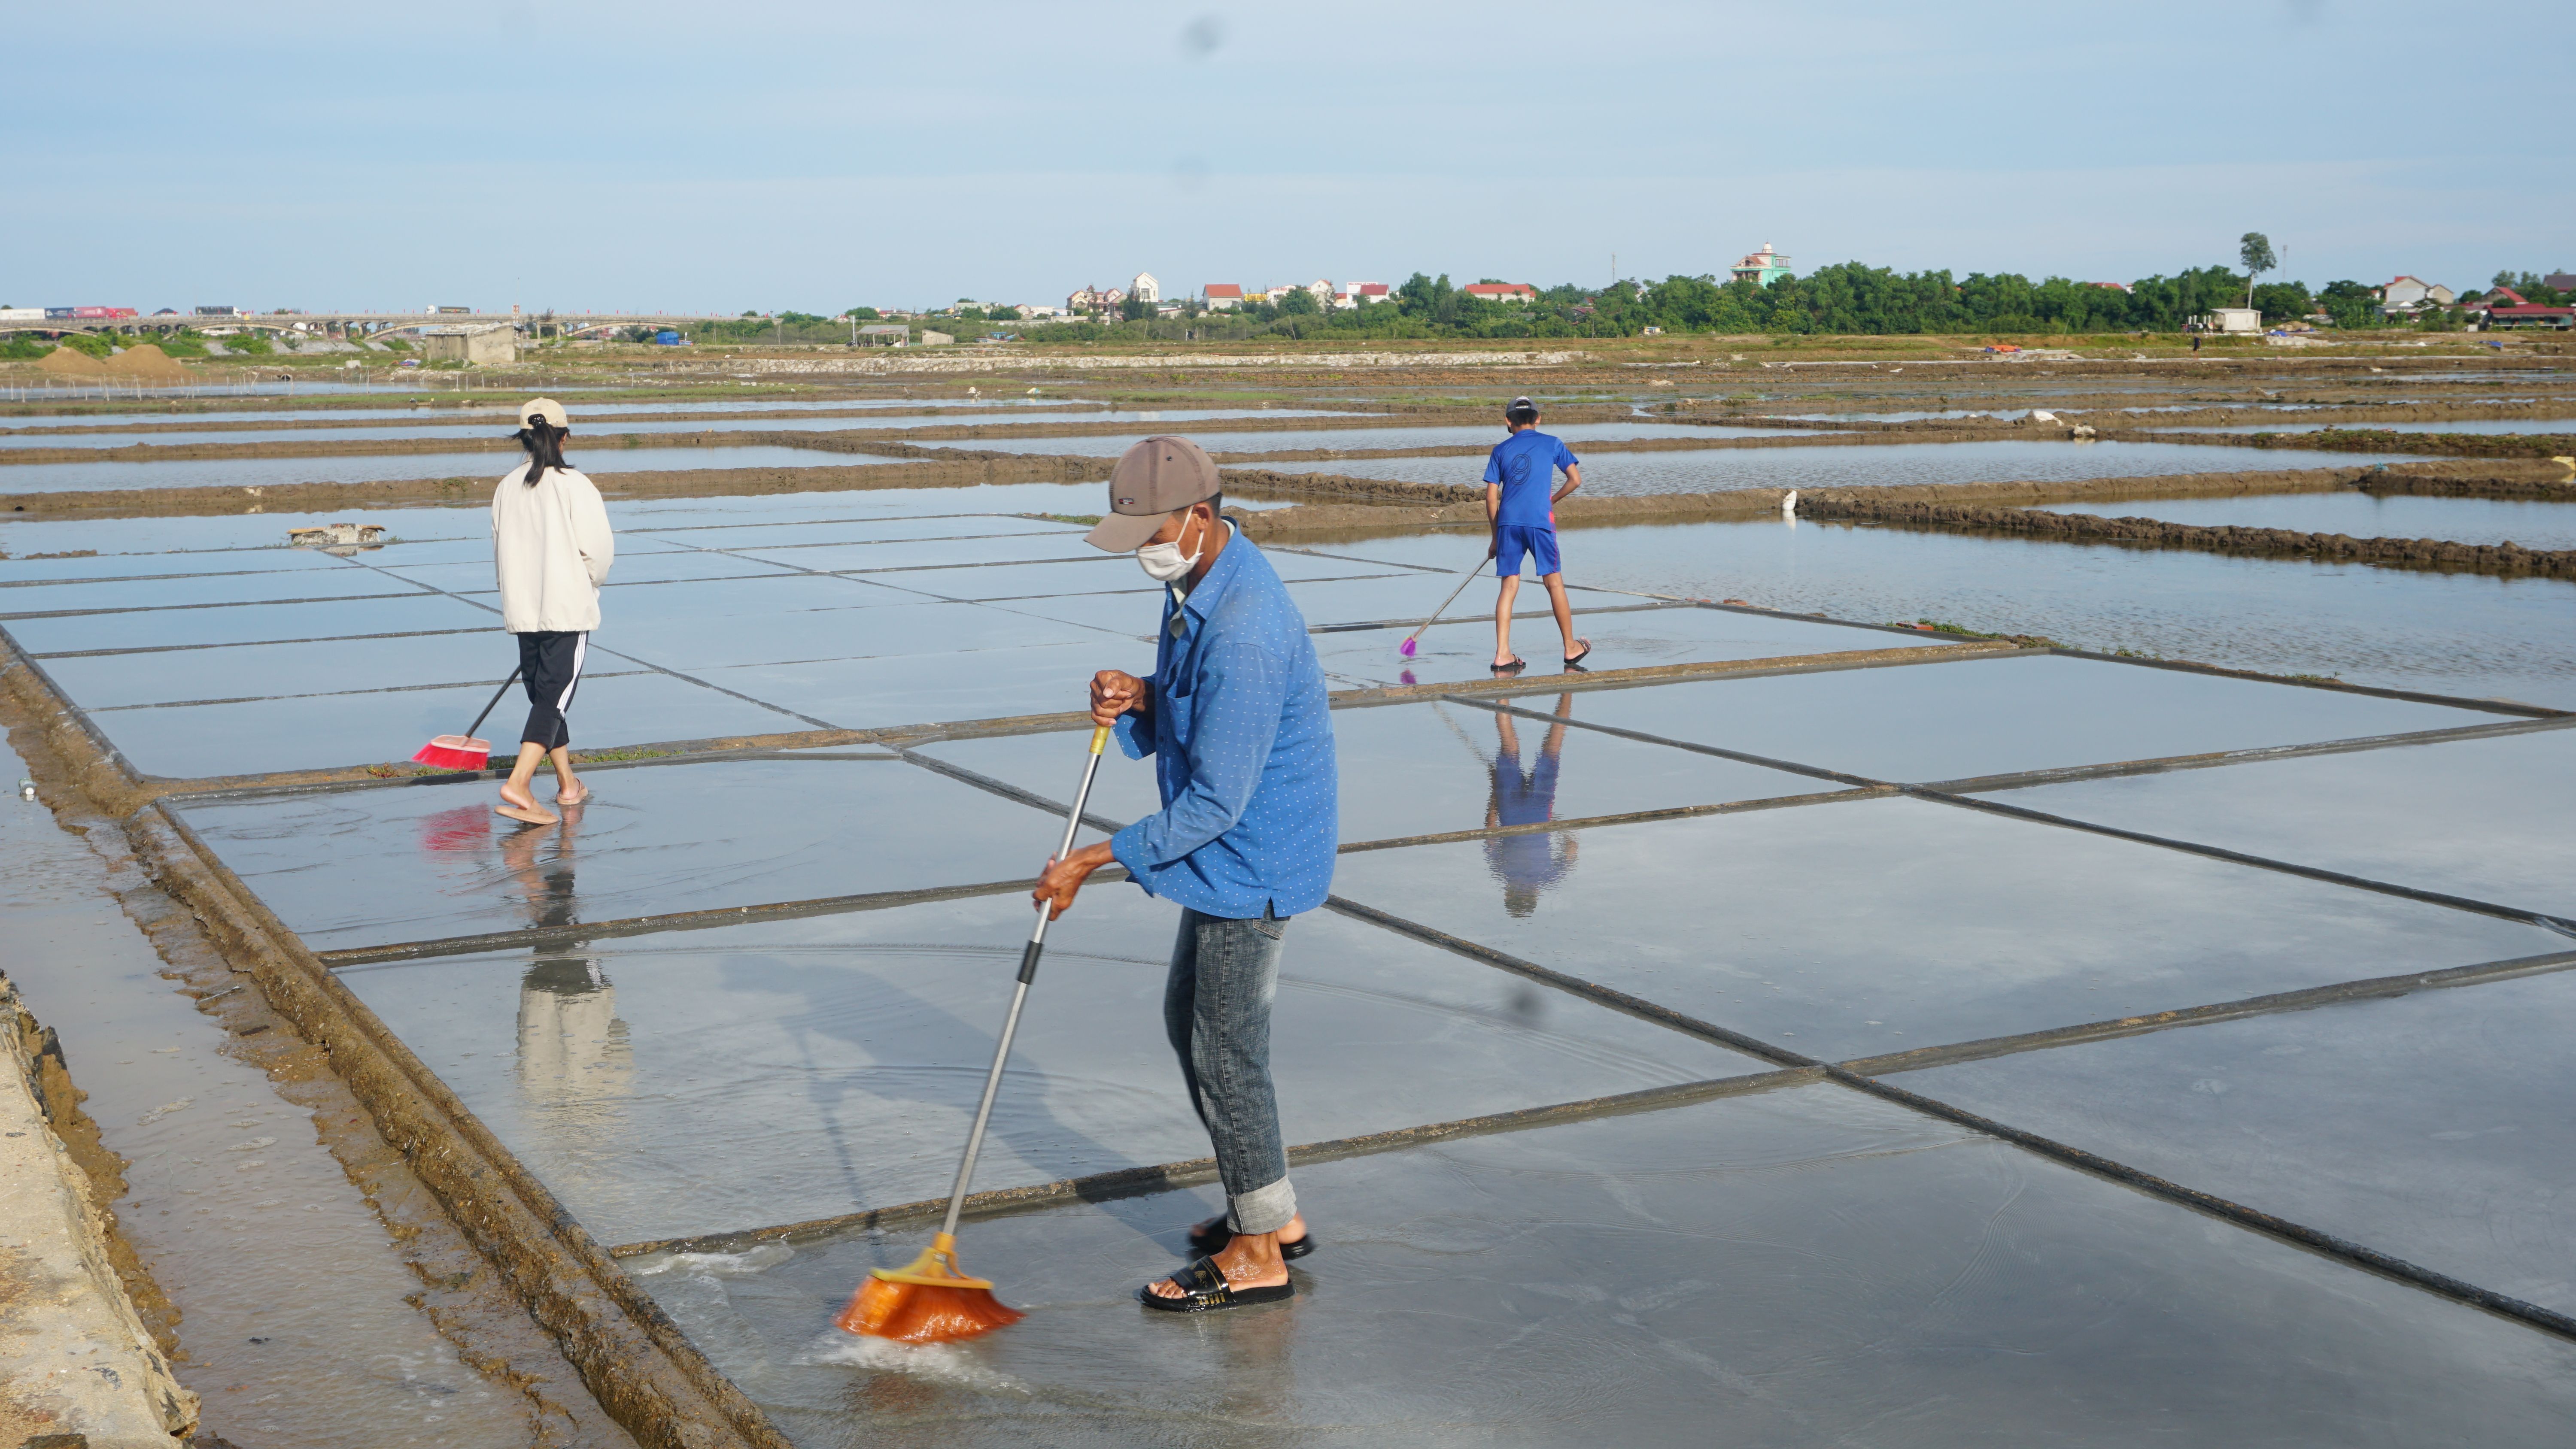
[
  {"x": 145, "y": 360},
  {"x": 64, "y": 359}
]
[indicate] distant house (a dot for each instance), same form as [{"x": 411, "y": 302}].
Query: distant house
[
  {"x": 2505, "y": 307},
  {"x": 1145, "y": 288},
  {"x": 2109, "y": 286},
  {"x": 1359, "y": 294},
  {"x": 1321, "y": 291},
  {"x": 2528, "y": 315},
  {"x": 1761, "y": 268},
  {"x": 2560, "y": 281},
  {"x": 2408, "y": 293},
  {"x": 1093, "y": 299},
  {"x": 885, "y": 334},
  {"x": 1501, "y": 291},
  {"x": 1223, "y": 296}
]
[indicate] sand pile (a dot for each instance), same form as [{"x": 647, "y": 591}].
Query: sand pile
[
  {"x": 145, "y": 360},
  {"x": 65, "y": 359}
]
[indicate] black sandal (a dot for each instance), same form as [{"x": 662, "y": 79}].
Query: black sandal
[
  {"x": 1575, "y": 661},
  {"x": 1209, "y": 1239},
  {"x": 1204, "y": 1290},
  {"x": 1516, "y": 666}
]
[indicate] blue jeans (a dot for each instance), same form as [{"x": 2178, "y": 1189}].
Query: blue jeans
[{"x": 1216, "y": 1009}]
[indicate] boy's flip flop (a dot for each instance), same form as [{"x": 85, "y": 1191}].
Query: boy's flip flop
[
  {"x": 1575, "y": 660},
  {"x": 1211, "y": 1239},
  {"x": 1204, "y": 1290},
  {"x": 1515, "y": 667}
]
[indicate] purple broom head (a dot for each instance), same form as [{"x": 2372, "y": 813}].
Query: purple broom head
[{"x": 1405, "y": 648}]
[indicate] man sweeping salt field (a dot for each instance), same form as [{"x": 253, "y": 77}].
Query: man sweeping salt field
[
  {"x": 1238, "y": 725},
  {"x": 551, "y": 549},
  {"x": 1520, "y": 502}
]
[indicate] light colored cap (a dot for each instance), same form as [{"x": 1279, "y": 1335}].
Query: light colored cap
[
  {"x": 543, "y": 407},
  {"x": 1154, "y": 479}
]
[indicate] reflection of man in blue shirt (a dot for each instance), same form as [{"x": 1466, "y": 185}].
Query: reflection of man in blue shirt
[
  {"x": 1527, "y": 864},
  {"x": 1520, "y": 502}
]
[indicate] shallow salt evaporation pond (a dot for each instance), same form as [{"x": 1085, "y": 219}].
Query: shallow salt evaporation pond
[
  {"x": 1863, "y": 465},
  {"x": 1566, "y": 1170},
  {"x": 2362, "y": 515}
]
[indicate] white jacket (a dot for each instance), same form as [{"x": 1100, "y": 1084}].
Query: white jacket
[{"x": 551, "y": 549}]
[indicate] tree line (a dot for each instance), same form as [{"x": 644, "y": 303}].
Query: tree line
[{"x": 1846, "y": 298}]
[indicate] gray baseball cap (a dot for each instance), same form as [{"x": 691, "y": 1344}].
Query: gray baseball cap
[{"x": 1154, "y": 479}]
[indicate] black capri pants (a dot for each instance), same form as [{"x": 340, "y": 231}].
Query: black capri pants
[{"x": 550, "y": 663}]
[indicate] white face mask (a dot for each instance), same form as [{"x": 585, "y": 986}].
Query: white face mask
[{"x": 1163, "y": 563}]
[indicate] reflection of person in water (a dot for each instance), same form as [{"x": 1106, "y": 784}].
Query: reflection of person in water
[
  {"x": 1527, "y": 864},
  {"x": 573, "y": 1049}
]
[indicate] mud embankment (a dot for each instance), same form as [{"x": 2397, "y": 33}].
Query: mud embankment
[
  {"x": 947, "y": 470},
  {"x": 2505, "y": 559},
  {"x": 2363, "y": 440}
]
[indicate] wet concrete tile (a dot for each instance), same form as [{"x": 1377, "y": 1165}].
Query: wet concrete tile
[
  {"x": 855, "y": 529},
  {"x": 1410, "y": 598},
  {"x": 801, "y": 1069},
  {"x": 476, "y": 575},
  {"x": 2486, "y": 819},
  {"x": 861, "y": 557},
  {"x": 436, "y": 862},
  {"x": 357, "y": 729},
  {"x": 1799, "y": 1267},
  {"x": 251, "y": 531},
  {"x": 997, "y": 683},
  {"x": 1416, "y": 769},
  {"x": 249, "y": 623},
  {"x": 189, "y": 590},
  {"x": 1680, "y": 634},
  {"x": 904, "y": 626},
  {"x": 2430, "y": 1127},
  {"x": 1851, "y": 929},
  {"x": 1976, "y": 717},
  {"x": 229, "y": 671},
  {"x": 1074, "y": 575},
  {"x": 15, "y": 572}
]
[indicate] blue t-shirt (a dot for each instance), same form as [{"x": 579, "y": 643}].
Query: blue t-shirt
[{"x": 1525, "y": 464}]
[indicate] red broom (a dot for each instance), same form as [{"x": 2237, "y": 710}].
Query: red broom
[
  {"x": 464, "y": 752},
  {"x": 929, "y": 1300}
]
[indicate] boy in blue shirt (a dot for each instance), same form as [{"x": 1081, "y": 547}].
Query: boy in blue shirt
[{"x": 1520, "y": 505}]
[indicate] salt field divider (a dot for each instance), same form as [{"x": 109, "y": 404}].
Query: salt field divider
[
  {"x": 2307, "y": 999},
  {"x": 2545, "y": 922},
  {"x": 2024, "y": 779},
  {"x": 1140, "y": 1181}
]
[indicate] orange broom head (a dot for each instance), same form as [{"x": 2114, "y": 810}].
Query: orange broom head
[
  {"x": 455, "y": 752},
  {"x": 927, "y": 1301}
]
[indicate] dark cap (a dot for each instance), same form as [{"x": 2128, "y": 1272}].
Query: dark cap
[
  {"x": 1520, "y": 408},
  {"x": 1154, "y": 479}
]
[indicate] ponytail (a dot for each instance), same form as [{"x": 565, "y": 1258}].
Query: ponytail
[{"x": 544, "y": 442}]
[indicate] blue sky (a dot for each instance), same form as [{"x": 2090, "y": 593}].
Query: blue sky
[{"x": 647, "y": 156}]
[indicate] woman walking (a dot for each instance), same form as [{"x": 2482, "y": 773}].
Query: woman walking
[{"x": 551, "y": 549}]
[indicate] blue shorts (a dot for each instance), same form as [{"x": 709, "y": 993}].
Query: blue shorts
[{"x": 1511, "y": 540}]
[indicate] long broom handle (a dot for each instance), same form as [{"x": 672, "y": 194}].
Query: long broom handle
[
  {"x": 1020, "y": 994},
  {"x": 1469, "y": 578},
  {"x": 491, "y": 704}
]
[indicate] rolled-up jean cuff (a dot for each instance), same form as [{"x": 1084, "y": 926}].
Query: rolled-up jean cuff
[{"x": 1262, "y": 1210}]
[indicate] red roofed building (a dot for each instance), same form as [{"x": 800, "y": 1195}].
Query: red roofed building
[
  {"x": 1501, "y": 291},
  {"x": 2505, "y": 307},
  {"x": 1223, "y": 296},
  {"x": 1359, "y": 294}
]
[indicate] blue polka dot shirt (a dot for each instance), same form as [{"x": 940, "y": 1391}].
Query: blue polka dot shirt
[{"x": 1242, "y": 740}]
